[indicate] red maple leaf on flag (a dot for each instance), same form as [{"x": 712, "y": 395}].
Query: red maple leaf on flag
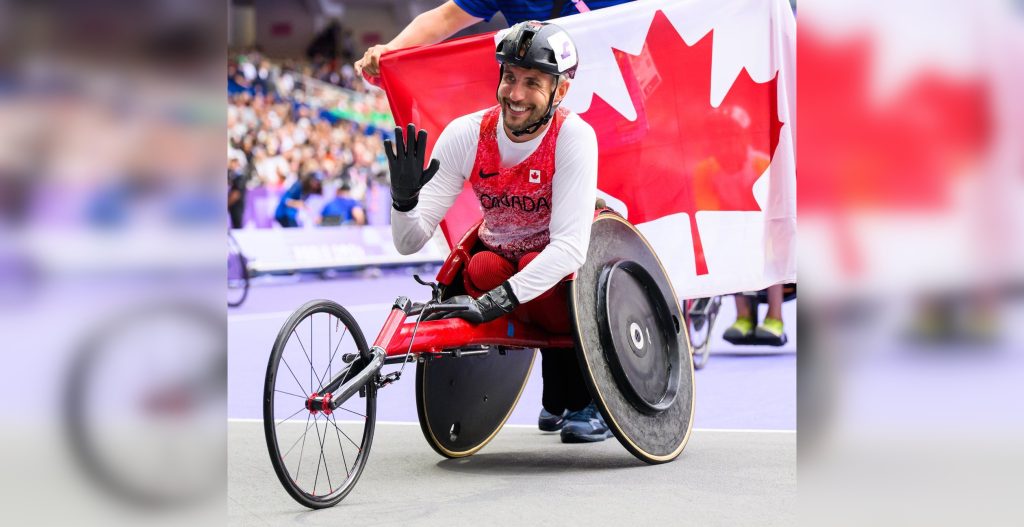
[
  {"x": 681, "y": 155},
  {"x": 905, "y": 152}
]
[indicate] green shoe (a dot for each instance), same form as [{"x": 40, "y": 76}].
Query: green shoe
[
  {"x": 771, "y": 331},
  {"x": 739, "y": 330}
]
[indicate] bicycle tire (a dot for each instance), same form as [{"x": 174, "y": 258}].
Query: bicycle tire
[{"x": 272, "y": 405}]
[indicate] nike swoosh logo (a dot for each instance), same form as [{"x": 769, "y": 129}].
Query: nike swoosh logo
[{"x": 485, "y": 175}]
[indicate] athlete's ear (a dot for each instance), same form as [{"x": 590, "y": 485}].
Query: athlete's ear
[{"x": 563, "y": 87}]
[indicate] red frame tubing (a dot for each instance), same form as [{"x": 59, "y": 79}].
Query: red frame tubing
[
  {"x": 437, "y": 335},
  {"x": 459, "y": 256},
  {"x": 434, "y": 336}
]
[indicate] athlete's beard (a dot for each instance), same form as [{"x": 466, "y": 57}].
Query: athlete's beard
[{"x": 535, "y": 115}]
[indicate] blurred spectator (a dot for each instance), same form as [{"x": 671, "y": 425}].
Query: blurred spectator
[
  {"x": 343, "y": 209},
  {"x": 246, "y": 72},
  {"x": 325, "y": 43},
  {"x": 294, "y": 201},
  {"x": 348, "y": 45},
  {"x": 236, "y": 192},
  {"x": 284, "y": 121}
]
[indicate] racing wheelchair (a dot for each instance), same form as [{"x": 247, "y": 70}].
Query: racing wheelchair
[{"x": 628, "y": 332}]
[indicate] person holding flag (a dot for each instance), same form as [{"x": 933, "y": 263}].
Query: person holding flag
[
  {"x": 437, "y": 24},
  {"x": 533, "y": 169}
]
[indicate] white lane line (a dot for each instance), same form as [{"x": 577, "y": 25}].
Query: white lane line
[
  {"x": 284, "y": 314},
  {"x": 414, "y": 423},
  {"x": 399, "y": 423},
  {"x": 747, "y": 430}
]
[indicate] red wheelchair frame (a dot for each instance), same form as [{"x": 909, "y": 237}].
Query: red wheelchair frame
[
  {"x": 426, "y": 338},
  {"x": 399, "y": 339},
  {"x": 433, "y": 336}
]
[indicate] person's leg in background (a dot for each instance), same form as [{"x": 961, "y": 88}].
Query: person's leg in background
[
  {"x": 771, "y": 328},
  {"x": 745, "y": 319},
  {"x": 770, "y": 331},
  {"x": 237, "y": 215},
  {"x": 565, "y": 393}
]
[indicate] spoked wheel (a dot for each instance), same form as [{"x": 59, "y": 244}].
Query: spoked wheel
[
  {"x": 238, "y": 274},
  {"x": 700, "y": 315},
  {"x": 144, "y": 395},
  {"x": 318, "y": 455}
]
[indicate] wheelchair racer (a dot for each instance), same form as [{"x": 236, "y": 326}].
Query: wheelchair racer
[{"x": 533, "y": 168}]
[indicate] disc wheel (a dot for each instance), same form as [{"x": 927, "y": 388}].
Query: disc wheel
[
  {"x": 238, "y": 274},
  {"x": 631, "y": 342},
  {"x": 318, "y": 456},
  {"x": 463, "y": 402}
]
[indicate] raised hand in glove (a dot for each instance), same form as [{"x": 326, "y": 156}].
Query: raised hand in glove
[
  {"x": 406, "y": 164},
  {"x": 488, "y": 307}
]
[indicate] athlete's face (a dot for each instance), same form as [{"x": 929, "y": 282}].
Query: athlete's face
[{"x": 524, "y": 94}]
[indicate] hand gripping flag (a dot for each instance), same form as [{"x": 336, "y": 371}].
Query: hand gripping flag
[{"x": 694, "y": 108}]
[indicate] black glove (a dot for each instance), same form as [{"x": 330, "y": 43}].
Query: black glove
[
  {"x": 406, "y": 164},
  {"x": 488, "y": 307}
]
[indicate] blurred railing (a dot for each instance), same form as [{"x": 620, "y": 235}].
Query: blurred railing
[{"x": 368, "y": 109}]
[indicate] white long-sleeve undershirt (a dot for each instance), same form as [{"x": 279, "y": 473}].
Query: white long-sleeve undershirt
[{"x": 573, "y": 192}]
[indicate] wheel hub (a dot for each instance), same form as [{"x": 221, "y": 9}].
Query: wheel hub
[
  {"x": 319, "y": 403},
  {"x": 636, "y": 336}
]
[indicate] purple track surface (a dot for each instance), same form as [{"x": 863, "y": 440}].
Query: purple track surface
[{"x": 734, "y": 391}]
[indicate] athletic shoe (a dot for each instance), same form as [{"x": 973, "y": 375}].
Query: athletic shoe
[
  {"x": 740, "y": 330},
  {"x": 585, "y": 426},
  {"x": 550, "y": 422},
  {"x": 771, "y": 332}
]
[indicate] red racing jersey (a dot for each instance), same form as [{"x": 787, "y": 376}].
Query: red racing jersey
[{"x": 516, "y": 201}]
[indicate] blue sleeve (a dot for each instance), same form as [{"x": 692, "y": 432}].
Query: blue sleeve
[
  {"x": 484, "y": 9},
  {"x": 295, "y": 192}
]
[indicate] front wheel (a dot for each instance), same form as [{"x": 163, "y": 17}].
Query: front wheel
[{"x": 318, "y": 456}]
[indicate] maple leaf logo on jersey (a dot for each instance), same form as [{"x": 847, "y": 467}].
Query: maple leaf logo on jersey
[{"x": 681, "y": 155}]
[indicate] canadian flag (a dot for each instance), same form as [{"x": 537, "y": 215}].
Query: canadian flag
[{"x": 694, "y": 106}]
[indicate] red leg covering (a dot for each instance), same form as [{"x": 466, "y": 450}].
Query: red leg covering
[
  {"x": 549, "y": 310},
  {"x": 486, "y": 270}
]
